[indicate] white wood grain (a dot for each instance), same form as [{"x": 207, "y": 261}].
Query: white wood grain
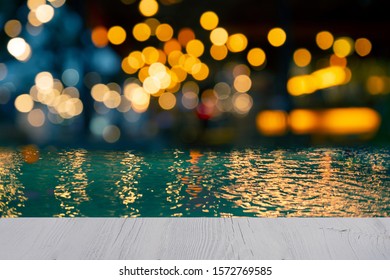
[{"x": 195, "y": 238}]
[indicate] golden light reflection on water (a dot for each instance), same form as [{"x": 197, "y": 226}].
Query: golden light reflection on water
[
  {"x": 73, "y": 182},
  {"x": 322, "y": 182},
  {"x": 127, "y": 186},
  {"x": 12, "y": 197}
]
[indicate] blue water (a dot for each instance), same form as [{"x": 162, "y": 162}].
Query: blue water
[{"x": 317, "y": 182}]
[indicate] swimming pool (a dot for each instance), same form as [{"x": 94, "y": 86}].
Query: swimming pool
[{"x": 316, "y": 182}]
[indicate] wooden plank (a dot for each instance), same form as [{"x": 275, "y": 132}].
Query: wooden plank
[{"x": 195, "y": 238}]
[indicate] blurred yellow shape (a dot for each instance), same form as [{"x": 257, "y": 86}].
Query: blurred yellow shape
[
  {"x": 324, "y": 40},
  {"x": 256, "y": 57},
  {"x": 242, "y": 83},
  {"x": 167, "y": 101},
  {"x": 237, "y": 43},
  {"x": 141, "y": 32},
  {"x": 219, "y": 36},
  {"x": 99, "y": 36},
  {"x": 185, "y": 35},
  {"x": 148, "y": 8},
  {"x": 200, "y": 71},
  {"x": 363, "y": 46},
  {"x": 303, "y": 121},
  {"x": 164, "y": 32},
  {"x": 116, "y": 35},
  {"x": 218, "y": 52},
  {"x": 172, "y": 45},
  {"x": 272, "y": 123},
  {"x": 195, "y": 48},
  {"x": 277, "y": 37},
  {"x": 343, "y": 47},
  {"x": 209, "y": 20},
  {"x": 24, "y": 103},
  {"x": 13, "y": 28},
  {"x": 302, "y": 57}
]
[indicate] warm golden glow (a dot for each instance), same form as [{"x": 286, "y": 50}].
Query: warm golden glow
[
  {"x": 302, "y": 57},
  {"x": 116, "y": 35},
  {"x": 256, "y": 57},
  {"x": 13, "y": 28},
  {"x": 200, "y": 71},
  {"x": 242, "y": 103},
  {"x": 164, "y": 32},
  {"x": 153, "y": 23},
  {"x": 141, "y": 32},
  {"x": 303, "y": 121},
  {"x": 185, "y": 35},
  {"x": 148, "y": 8},
  {"x": 338, "y": 61},
  {"x": 150, "y": 55},
  {"x": 195, "y": 48},
  {"x": 277, "y": 37},
  {"x": 343, "y": 47},
  {"x": 363, "y": 46},
  {"x": 218, "y": 52},
  {"x": 44, "y": 13},
  {"x": 272, "y": 123},
  {"x": 237, "y": 43},
  {"x": 24, "y": 103},
  {"x": 320, "y": 79},
  {"x": 209, "y": 20},
  {"x": 100, "y": 36},
  {"x": 172, "y": 45},
  {"x": 378, "y": 85},
  {"x": 219, "y": 36},
  {"x": 36, "y": 118},
  {"x": 324, "y": 40},
  {"x": 339, "y": 121},
  {"x": 167, "y": 101},
  {"x": 242, "y": 83}
]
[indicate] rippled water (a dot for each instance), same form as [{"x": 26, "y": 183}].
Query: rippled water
[{"x": 251, "y": 182}]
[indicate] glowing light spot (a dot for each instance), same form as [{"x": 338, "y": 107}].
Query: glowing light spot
[
  {"x": 272, "y": 123},
  {"x": 209, "y": 20},
  {"x": 302, "y": 57},
  {"x": 140, "y": 100},
  {"x": 167, "y": 101},
  {"x": 44, "y": 13},
  {"x": 185, "y": 35},
  {"x": 116, "y": 35},
  {"x": 164, "y": 32},
  {"x": 237, "y": 43},
  {"x": 36, "y": 118},
  {"x": 256, "y": 57},
  {"x": 242, "y": 83},
  {"x": 24, "y": 103},
  {"x": 111, "y": 134},
  {"x": 242, "y": 103},
  {"x": 343, "y": 47},
  {"x": 99, "y": 36},
  {"x": 112, "y": 99},
  {"x": 277, "y": 37},
  {"x": 172, "y": 45},
  {"x": 13, "y": 28},
  {"x": 303, "y": 121},
  {"x": 363, "y": 46},
  {"x": 218, "y": 52},
  {"x": 98, "y": 91},
  {"x": 150, "y": 55},
  {"x": 195, "y": 48},
  {"x": 34, "y": 4},
  {"x": 219, "y": 36},
  {"x": 44, "y": 81},
  {"x": 141, "y": 32},
  {"x": 241, "y": 69},
  {"x": 152, "y": 85},
  {"x": 338, "y": 61},
  {"x": 17, "y": 46},
  {"x": 136, "y": 60},
  {"x": 148, "y": 8},
  {"x": 200, "y": 71},
  {"x": 324, "y": 40}
]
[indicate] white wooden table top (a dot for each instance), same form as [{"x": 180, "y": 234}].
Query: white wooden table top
[{"x": 195, "y": 238}]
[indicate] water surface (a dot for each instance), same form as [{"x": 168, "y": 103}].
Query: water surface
[{"x": 326, "y": 182}]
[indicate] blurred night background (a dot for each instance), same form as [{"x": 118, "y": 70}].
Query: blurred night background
[{"x": 168, "y": 73}]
